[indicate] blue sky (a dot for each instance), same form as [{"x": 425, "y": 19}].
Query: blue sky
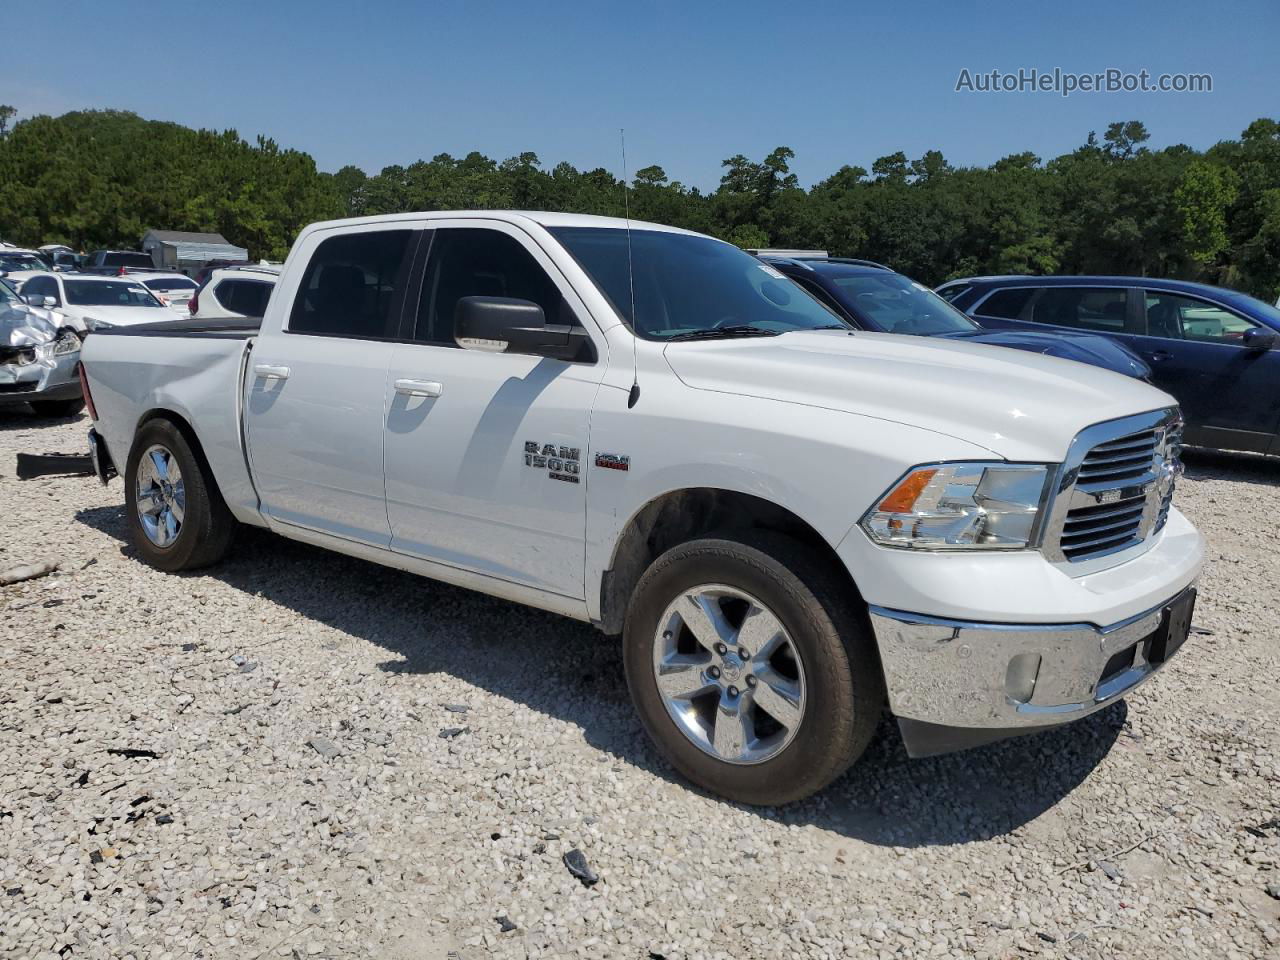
[{"x": 378, "y": 83}]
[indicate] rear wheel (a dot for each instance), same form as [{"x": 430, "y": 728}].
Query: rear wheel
[
  {"x": 751, "y": 668},
  {"x": 177, "y": 518},
  {"x": 58, "y": 408}
]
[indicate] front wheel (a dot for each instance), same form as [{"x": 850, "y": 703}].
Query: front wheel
[
  {"x": 177, "y": 518},
  {"x": 751, "y": 668}
]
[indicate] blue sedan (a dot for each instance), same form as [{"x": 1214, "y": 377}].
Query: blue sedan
[
  {"x": 870, "y": 296},
  {"x": 1214, "y": 349}
]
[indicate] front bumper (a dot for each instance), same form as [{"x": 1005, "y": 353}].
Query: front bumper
[
  {"x": 1000, "y": 679},
  {"x": 54, "y": 379}
]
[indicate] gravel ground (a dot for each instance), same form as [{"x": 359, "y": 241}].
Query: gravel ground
[{"x": 299, "y": 754}]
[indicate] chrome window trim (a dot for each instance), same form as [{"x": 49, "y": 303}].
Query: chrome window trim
[{"x": 1152, "y": 486}]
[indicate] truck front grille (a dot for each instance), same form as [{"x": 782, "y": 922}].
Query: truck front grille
[{"x": 1116, "y": 488}]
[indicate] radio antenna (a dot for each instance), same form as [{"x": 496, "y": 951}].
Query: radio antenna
[{"x": 631, "y": 276}]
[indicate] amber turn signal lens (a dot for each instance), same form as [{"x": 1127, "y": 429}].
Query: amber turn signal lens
[{"x": 903, "y": 496}]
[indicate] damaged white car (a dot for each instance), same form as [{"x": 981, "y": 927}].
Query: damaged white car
[{"x": 39, "y": 359}]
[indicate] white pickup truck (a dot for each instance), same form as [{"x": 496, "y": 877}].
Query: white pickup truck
[{"x": 792, "y": 524}]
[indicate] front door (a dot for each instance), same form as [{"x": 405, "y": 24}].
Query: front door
[
  {"x": 486, "y": 452},
  {"x": 315, "y": 391},
  {"x": 1230, "y": 395}
]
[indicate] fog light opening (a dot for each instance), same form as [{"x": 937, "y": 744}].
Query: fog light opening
[{"x": 1020, "y": 679}]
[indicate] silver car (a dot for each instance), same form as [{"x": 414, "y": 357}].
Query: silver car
[{"x": 39, "y": 360}]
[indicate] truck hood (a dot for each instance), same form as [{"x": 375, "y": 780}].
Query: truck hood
[{"x": 1020, "y": 406}]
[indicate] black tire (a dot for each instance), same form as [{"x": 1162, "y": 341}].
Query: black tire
[
  {"x": 58, "y": 408},
  {"x": 844, "y": 697},
  {"x": 207, "y": 526}
]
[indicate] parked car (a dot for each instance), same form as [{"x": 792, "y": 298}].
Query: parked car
[
  {"x": 1213, "y": 349},
  {"x": 870, "y": 296},
  {"x": 646, "y": 429},
  {"x": 174, "y": 290},
  {"x": 113, "y": 261},
  {"x": 18, "y": 266},
  {"x": 91, "y": 303},
  {"x": 39, "y": 359},
  {"x": 234, "y": 292}
]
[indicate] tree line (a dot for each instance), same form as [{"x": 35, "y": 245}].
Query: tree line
[{"x": 1113, "y": 205}]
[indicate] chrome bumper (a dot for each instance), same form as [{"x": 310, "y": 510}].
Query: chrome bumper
[{"x": 958, "y": 673}]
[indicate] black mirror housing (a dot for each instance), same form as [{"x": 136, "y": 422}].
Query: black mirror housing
[
  {"x": 510, "y": 325},
  {"x": 1259, "y": 338}
]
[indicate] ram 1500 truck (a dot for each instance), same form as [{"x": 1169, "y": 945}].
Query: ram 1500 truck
[{"x": 792, "y": 524}]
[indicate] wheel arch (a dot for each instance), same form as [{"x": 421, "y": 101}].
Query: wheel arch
[
  {"x": 679, "y": 516},
  {"x": 183, "y": 426}
]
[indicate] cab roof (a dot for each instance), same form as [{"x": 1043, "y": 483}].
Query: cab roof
[{"x": 542, "y": 218}]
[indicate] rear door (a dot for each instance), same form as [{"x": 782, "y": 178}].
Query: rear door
[
  {"x": 486, "y": 452},
  {"x": 316, "y": 391},
  {"x": 1229, "y": 395}
]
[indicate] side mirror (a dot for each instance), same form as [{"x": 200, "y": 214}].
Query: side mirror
[
  {"x": 1259, "y": 338},
  {"x": 508, "y": 325},
  {"x": 36, "y": 300}
]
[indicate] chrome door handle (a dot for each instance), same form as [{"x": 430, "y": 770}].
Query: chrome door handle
[
  {"x": 1159, "y": 355},
  {"x": 271, "y": 371},
  {"x": 419, "y": 388}
]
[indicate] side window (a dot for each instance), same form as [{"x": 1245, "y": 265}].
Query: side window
[
  {"x": 244, "y": 296},
  {"x": 38, "y": 287},
  {"x": 1185, "y": 318},
  {"x": 352, "y": 284},
  {"x": 951, "y": 291},
  {"x": 466, "y": 262},
  {"x": 1085, "y": 308},
  {"x": 1005, "y": 304}
]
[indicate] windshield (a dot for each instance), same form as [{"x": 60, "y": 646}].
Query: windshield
[
  {"x": 21, "y": 261},
  {"x": 168, "y": 284},
  {"x": 109, "y": 293},
  {"x": 688, "y": 284},
  {"x": 8, "y": 294},
  {"x": 893, "y": 303}
]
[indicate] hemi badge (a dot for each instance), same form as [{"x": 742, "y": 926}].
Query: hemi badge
[{"x": 611, "y": 461}]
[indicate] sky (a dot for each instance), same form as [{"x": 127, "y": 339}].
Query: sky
[{"x": 380, "y": 83}]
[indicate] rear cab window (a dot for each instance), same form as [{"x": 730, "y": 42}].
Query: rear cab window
[{"x": 353, "y": 286}]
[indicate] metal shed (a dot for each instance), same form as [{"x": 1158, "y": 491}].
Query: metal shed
[{"x": 188, "y": 252}]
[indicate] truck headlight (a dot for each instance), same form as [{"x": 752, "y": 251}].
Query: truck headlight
[{"x": 950, "y": 506}]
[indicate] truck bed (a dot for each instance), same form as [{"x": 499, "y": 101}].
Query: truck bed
[
  {"x": 234, "y": 328},
  {"x": 193, "y": 369}
]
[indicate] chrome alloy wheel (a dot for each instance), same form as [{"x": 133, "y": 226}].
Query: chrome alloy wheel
[
  {"x": 161, "y": 495},
  {"x": 729, "y": 674}
]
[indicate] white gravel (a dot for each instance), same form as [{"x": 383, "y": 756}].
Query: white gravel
[{"x": 304, "y": 800}]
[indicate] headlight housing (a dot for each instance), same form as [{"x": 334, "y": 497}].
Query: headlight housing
[
  {"x": 955, "y": 506},
  {"x": 68, "y": 342}
]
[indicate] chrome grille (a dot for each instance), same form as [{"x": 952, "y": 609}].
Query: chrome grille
[{"x": 1116, "y": 488}]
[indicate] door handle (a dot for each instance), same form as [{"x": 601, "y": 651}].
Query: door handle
[
  {"x": 1160, "y": 355},
  {"x": 419, "y": 388},
  {"x": 271, "y": 371}
]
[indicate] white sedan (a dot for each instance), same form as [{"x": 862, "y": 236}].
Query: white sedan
[
  {"x": 95, "y": 303},
  {"x": 174, "y": 290},
  {"x": 18, "y": 266}
]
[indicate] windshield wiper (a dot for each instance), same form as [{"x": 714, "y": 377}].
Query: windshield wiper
[{"x": 719, "y": 333}]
